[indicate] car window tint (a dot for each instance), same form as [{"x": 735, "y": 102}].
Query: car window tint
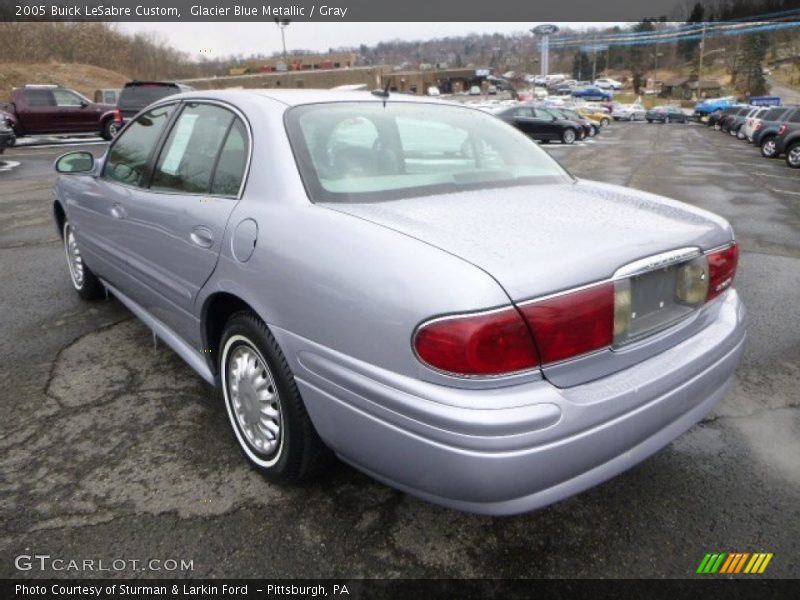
[
  {"x": 232, "y": 160},
  {"x": 795, "y": 116},
  {"x": 39, "y": 98},
  {"x": 128, "y": 157},
  {"x": 187, "y": 159},
  {"x": 66, "y": 98},
  {"x": 523, "y": 111},
  {"x": 774, "y": 114}
]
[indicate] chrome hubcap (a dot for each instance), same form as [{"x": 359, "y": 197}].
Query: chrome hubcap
[
  {"x": 569, "y": 136},
  {"x": 74, "y": 259},
  {"x": 794, "y": 157},
  {"x": 254, "y": 399},
  {"x": 769, "y": 148}
]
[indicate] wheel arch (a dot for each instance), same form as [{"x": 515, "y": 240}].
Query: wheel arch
[
  {"x": 60, "y": 217},
  {"x": 217, "y": 309}
]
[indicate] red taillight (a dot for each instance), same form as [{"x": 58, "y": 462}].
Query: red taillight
[
  {"x": 782, "y": 129},
  {"x": 721, "y": 270},
  {"x": 758, "y": 125},
  {"x": 117, "y": 116},
  {"x": 572, "y": 323},
  {"x": 492, "y": 343}
]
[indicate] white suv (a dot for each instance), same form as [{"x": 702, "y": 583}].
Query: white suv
[{"x": 608, "y": 84}]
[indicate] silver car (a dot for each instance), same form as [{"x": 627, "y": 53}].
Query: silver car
[{"x": 410, "y": 285}]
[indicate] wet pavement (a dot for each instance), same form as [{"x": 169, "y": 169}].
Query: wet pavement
[{"x": 113, "y": 449}]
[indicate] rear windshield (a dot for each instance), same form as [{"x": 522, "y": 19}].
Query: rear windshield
[
  {"x": 136, "y": 97},
  {"x": 371, "y": 151}
]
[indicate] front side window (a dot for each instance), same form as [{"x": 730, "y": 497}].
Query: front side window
[
  {"x": 129, "y": 155},
  {"x": 186, "y": 163},
  {"x": 67, "y": 98},
  {"x": 368, "y": 151}
]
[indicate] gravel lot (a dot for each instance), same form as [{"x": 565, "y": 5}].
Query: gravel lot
[{"x": 112, "y": 449}]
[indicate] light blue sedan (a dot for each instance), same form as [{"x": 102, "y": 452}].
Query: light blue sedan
[{"x": 412, "y": 286}]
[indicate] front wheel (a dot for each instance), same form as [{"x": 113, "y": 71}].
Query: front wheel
[
  {"x": 568, "y": 136},
  {"x": 793, "y": 155},
  {"x": 266, "y": 412},
  {"x": 649, "y": 120},
  {"x": 605, "y": 121},
  {"x": 84, "y": 281}
]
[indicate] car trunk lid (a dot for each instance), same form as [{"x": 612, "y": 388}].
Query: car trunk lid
[{"x": 537, "y": 240}]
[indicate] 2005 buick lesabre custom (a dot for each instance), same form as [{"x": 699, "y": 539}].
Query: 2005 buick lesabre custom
[{"x": 414, "y": 285}]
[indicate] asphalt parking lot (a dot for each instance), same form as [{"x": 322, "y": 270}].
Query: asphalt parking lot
[{"x": 111, "y": 448}]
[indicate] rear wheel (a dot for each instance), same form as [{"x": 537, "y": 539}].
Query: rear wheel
[
  {"x": 768, "y": 147},
  {"x": 604, "y": 121},
  {"x": 568, "y": 136},
  {"x": 793, "y": 155},
  {"x": 266, "y": 412},
  {"x": 84, "y": 281}
]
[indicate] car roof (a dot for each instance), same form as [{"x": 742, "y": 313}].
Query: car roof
[{"x": 306, "y": 96}]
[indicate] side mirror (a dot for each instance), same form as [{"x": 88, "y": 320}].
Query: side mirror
[
  {"x": 75, "y": 162},
  {"x": 84, "y": 104}
]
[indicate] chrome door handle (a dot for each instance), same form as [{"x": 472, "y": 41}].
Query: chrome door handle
[
  {"x": 202, "y": 236},
  {"x": 117, "y": 211}
]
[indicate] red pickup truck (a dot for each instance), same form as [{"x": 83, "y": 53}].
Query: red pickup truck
[{"x": 51, "y": 109}]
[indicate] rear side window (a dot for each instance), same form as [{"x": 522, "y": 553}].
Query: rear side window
[
  {"x": 773, "y": 114},
  {"x": 39, "y": 97},
  {"x": 231, "y": 164},
  {"x": 131, "y": 151},
  {"x": 795, "y": 116},
  {"x": 186, "y": 163}
]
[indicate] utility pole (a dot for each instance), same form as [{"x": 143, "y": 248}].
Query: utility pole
[{"x": 700, "y": 64}]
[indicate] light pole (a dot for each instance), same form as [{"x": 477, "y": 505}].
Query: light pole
[
  {"x": 282, "y": 25},
  {"x": 545, "y": 31}
]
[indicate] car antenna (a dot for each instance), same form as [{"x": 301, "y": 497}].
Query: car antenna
[{"x": 384, "y": 93}]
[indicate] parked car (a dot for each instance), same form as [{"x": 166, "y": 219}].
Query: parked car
[
  {"x": 137, "y": 95},
  {"x": 704, "y": 108},
  {"x": 269, "y": 244},
  {"x": 51, "y": 109},
  {"x": 666, "y": 114},
  {"x": 492, "y": 90},
  {"x": 737, "y": 122},
  {"x": 590, "y": 128},
  {"x": 787, "y": 140},
  {"x": 602, "y": 117},
  {"x": 433, "y": 91},
  {"x": 475, "y": 90},
  {"x": 766, "y": 132},
  {"x": 716, "y": 118},
  {"x": 629, "y": 112},
  {"x": 749, "y": 125},
  {"x": 540, "y": 124},
  {"x": 734, "y": 119},
  {"x": 7, "y": 137},
  {"x": 608, "y": 84},
  {"x": 592, "y": 93},
  {"x": 106, "y": 96}
]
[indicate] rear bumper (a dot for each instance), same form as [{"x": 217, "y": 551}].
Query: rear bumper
[{"x": 515, "y": 449}]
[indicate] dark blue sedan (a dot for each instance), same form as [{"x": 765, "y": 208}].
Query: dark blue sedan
[
  {"x": 666, "y": 114},
  {"x": 592, "y": 93}
]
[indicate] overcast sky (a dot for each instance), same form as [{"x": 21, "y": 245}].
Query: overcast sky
[{"x": 218, "y": 40}]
